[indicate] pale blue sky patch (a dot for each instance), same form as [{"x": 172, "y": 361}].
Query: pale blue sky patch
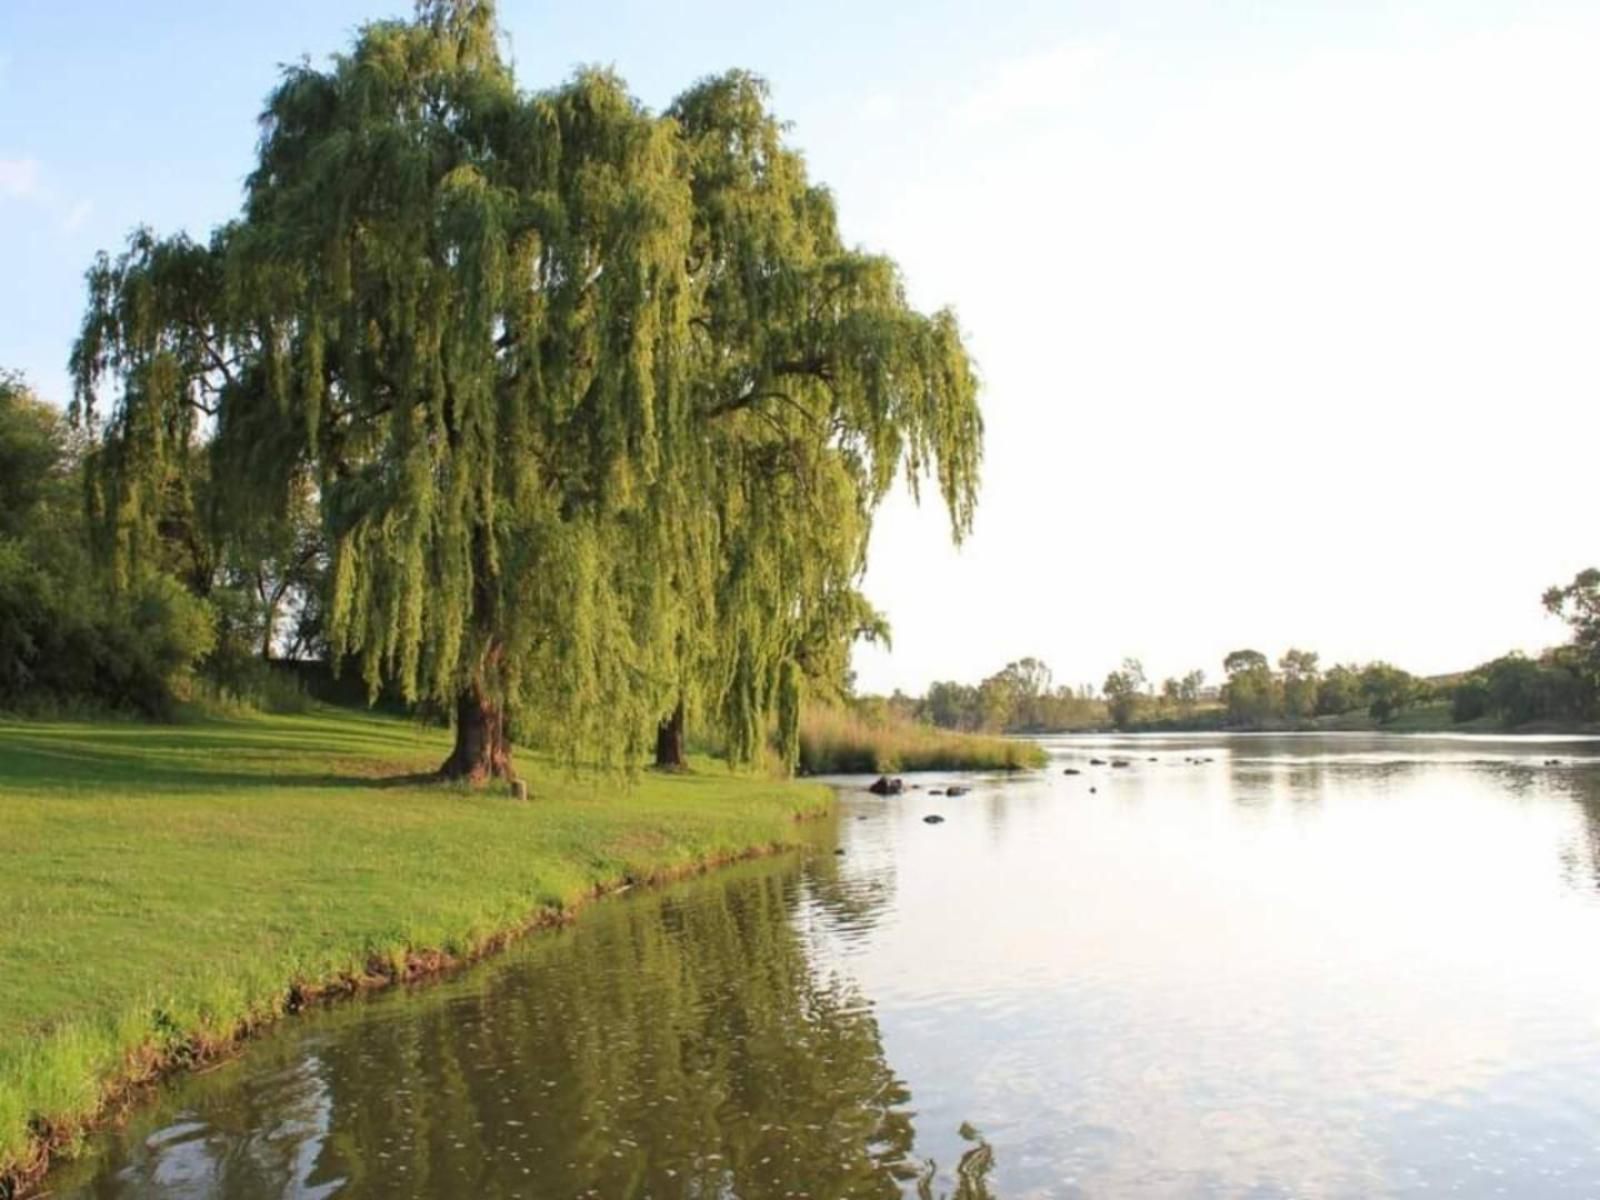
[{"x": 19, "y": 177}]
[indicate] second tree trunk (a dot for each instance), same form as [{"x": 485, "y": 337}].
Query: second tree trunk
[{"x": 669, "y": 741}]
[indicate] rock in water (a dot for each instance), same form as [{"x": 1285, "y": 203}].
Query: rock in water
[
  {"x": 933, "y": 819},
  {"x": 957, "y": 790},
  {"x": 884, "y": 786},
  {"x": 1072, "y": 771},
  {"x": 1097, "y": 762}
]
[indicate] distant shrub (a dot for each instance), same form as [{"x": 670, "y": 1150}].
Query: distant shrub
[
  {"x": 69, "y": 641},
  {"x": 253, "y": 685},
  {"x": 65, "y": 644},
  {"x": 839, "y": 742},
  {"x": 1470, "y": 700}
]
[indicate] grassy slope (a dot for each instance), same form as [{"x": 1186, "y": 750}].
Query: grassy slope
[{"x": 163, "y": 884}]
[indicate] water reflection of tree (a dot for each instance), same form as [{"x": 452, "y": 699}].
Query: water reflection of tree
[
  {"x": 1583, "y": 786},
  {"x": 972, "y": 1171},
  {"x": 682, "y": 1044}
]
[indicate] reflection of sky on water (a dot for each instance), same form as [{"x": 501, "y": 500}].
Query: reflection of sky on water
[
  {"x": 278, "y": 1153},
  {"x": 1340, "y": 966}
]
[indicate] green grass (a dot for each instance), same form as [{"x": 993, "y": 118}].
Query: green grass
[
  {"x": 164, "y": 886},
  {"x": 836, "y": 742}
]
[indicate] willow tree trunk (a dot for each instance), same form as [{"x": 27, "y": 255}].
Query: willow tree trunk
[
  {"x": 481, "y": 751},
  {"x": 669, "y": 741}
]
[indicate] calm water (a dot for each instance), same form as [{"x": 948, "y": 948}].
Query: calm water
[{"x": 1316, "y": 966}]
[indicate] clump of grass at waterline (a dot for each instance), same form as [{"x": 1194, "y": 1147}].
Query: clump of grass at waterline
[
  {"x": 161, "y": 888},
  {"x": 838, "y": 742}
]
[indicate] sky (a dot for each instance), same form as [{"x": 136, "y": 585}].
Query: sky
[{"x": 1286, "y": 313}]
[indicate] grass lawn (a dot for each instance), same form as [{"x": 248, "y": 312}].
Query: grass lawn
[{"x": 162, "y": 884}]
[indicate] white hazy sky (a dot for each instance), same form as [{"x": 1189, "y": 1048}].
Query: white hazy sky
[
  {"x": 1296, "y": 350},
  {"x": 1286, "y": 313}
]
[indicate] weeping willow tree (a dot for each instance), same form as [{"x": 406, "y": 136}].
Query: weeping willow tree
[
  {"x": 595, "y": 404},
  {"x": 816, "y": 383}
]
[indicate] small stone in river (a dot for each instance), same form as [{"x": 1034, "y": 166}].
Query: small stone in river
[
  {"x": 840, "y": 851},
  {"x": 957, "y": 790},
  {"x": 884, "y": 786},
  {"x": 1097, "y": 762},
  {"x": 1072, "y": 771},
  {"x": 933, "y": 819},
  {"x": 936, "y": 792},
  {"x": 1093, "y": 791}
]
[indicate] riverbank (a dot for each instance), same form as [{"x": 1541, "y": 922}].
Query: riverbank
[
  {"x": 166, "y": 890},
  {"x": 838, "y": 742}
]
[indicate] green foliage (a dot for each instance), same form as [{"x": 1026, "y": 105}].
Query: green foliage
[
  {"x": 1243, "y": 660},
  {"x": 34, "y": 458},
  {"x": 1252, "y": 694},
  {"x": 951, "y": 705},
  {"x": 813, "y": 384},
  {"x": 1301, "y": 679},
  {"x": 66, "y": 639},
  {"x": 1124, "y": 692},
  {"x": 1562, "y": 685},
  {"x": 1018, "y": 698},
  {"x": 62, "y": 644},
  {"x": 1009, "y": 699},
  {"x": 1519, "y": 690},
  {"x": 1578, "y": 604},
  {"x": 1470, "y": 700},
  {"x": 1388, "y": 690},
  {"x": 1339, "y": 691},
  {"x": 596, "y": 404}
]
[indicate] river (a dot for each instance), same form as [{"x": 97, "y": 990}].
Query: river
[{"x": 1271, "y": 966}]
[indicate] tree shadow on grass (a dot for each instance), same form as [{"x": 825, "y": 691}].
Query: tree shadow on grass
[{"x": 129, "y": 769}]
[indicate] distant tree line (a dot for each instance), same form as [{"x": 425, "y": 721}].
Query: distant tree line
[
  {"x": 1021, "y": 697},
  {"x": 1562, "y": 685},
  {"x": 1300, "y": 691}
]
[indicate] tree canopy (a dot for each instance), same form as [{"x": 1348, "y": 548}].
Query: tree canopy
[{"x": 595, "y": 403}]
